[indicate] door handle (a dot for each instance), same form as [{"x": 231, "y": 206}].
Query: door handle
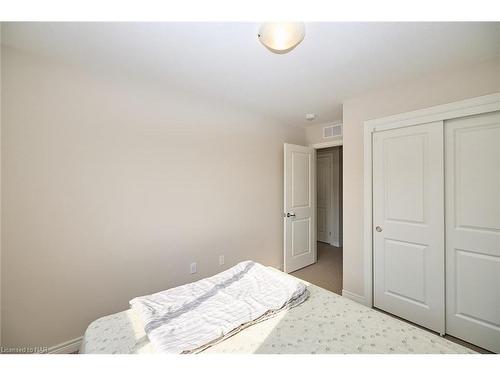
[
  {"x": 288, "y": 214},
  {"x": 378, "y": 229}
]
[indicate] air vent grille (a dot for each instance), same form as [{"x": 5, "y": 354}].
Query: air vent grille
[{"x": 332, "y": 131}]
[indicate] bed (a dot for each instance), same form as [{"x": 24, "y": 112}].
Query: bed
[{"x": 325, "y": 323}]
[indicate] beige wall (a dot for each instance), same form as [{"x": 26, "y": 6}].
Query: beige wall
[
  {"x": 424, "y": 92},
  {"x": 111, "y": 188}
]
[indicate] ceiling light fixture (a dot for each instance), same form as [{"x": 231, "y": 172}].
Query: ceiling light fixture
[{"x": 281, "y": 37}]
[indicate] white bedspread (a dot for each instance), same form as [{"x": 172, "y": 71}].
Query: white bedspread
[{"x": 192, "y": 317}]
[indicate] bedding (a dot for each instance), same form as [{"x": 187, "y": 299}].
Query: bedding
[
  {"x": 324, "y": 323},
  {"x": 195, "y": 316}
]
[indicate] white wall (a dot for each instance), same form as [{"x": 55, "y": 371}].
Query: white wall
[
  {"x": 425, "y": 92},
  {"x": 111, "y": 187}
]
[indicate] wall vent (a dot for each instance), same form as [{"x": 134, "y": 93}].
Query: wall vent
[{"x": 332, "y": 131}]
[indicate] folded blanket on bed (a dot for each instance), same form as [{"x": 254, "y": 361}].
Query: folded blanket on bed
[{"x": 192, "y": 317}]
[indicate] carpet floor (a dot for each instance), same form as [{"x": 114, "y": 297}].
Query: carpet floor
[{"x": 327, "y": 271}]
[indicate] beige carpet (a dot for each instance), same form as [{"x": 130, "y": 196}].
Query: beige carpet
[{"x": 327, "y": 271}]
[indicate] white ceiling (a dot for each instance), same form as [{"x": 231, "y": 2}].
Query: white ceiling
[{"x": 225, "y": 61}]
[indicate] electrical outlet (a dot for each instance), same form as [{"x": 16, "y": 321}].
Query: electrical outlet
[
  {"x": 221, "y": 260},
  {"x": 193, "y": 267}
]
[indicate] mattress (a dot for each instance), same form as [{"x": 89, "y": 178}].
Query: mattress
[{"x": 325, "y": 323}]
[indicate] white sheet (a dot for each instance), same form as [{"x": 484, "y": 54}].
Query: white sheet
[{"x": 194, "y": 316}]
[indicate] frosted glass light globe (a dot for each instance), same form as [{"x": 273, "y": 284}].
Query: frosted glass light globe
[{"x": 281, "y": 37}]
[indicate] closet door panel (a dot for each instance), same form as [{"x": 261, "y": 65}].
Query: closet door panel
[
  {"x": 408, "y": 213},
  {"x": 472, "y": 165}
]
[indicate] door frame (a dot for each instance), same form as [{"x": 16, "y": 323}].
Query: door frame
[
  {"x": 462, "y": 108},
  {"x": 337, "y": 142}
]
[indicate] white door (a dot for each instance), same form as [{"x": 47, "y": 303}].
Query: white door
[
  {"x": 324, "y": 197},
  {"x": 473, "y": 229},
  {"x": 300, "y": 207},
  {"x": 408, "y": 219}
]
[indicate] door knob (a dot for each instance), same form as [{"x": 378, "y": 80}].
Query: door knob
[
  {"x": 288, "y": 214},
  {"x": 378, "y": 229}
]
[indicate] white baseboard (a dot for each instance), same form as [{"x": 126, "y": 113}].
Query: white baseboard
[
  {"x": 354, "y": 297},
  {"x": 336, "y": 243},
  {"x": 67, "y": 347}
]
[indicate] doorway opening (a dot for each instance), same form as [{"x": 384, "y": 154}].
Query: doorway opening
[{"x": 327, "y": 272}]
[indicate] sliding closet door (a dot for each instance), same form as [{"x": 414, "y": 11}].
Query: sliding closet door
[
  {"x": 408, "y": 219},
  {"x": 473, "y": 229}
]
